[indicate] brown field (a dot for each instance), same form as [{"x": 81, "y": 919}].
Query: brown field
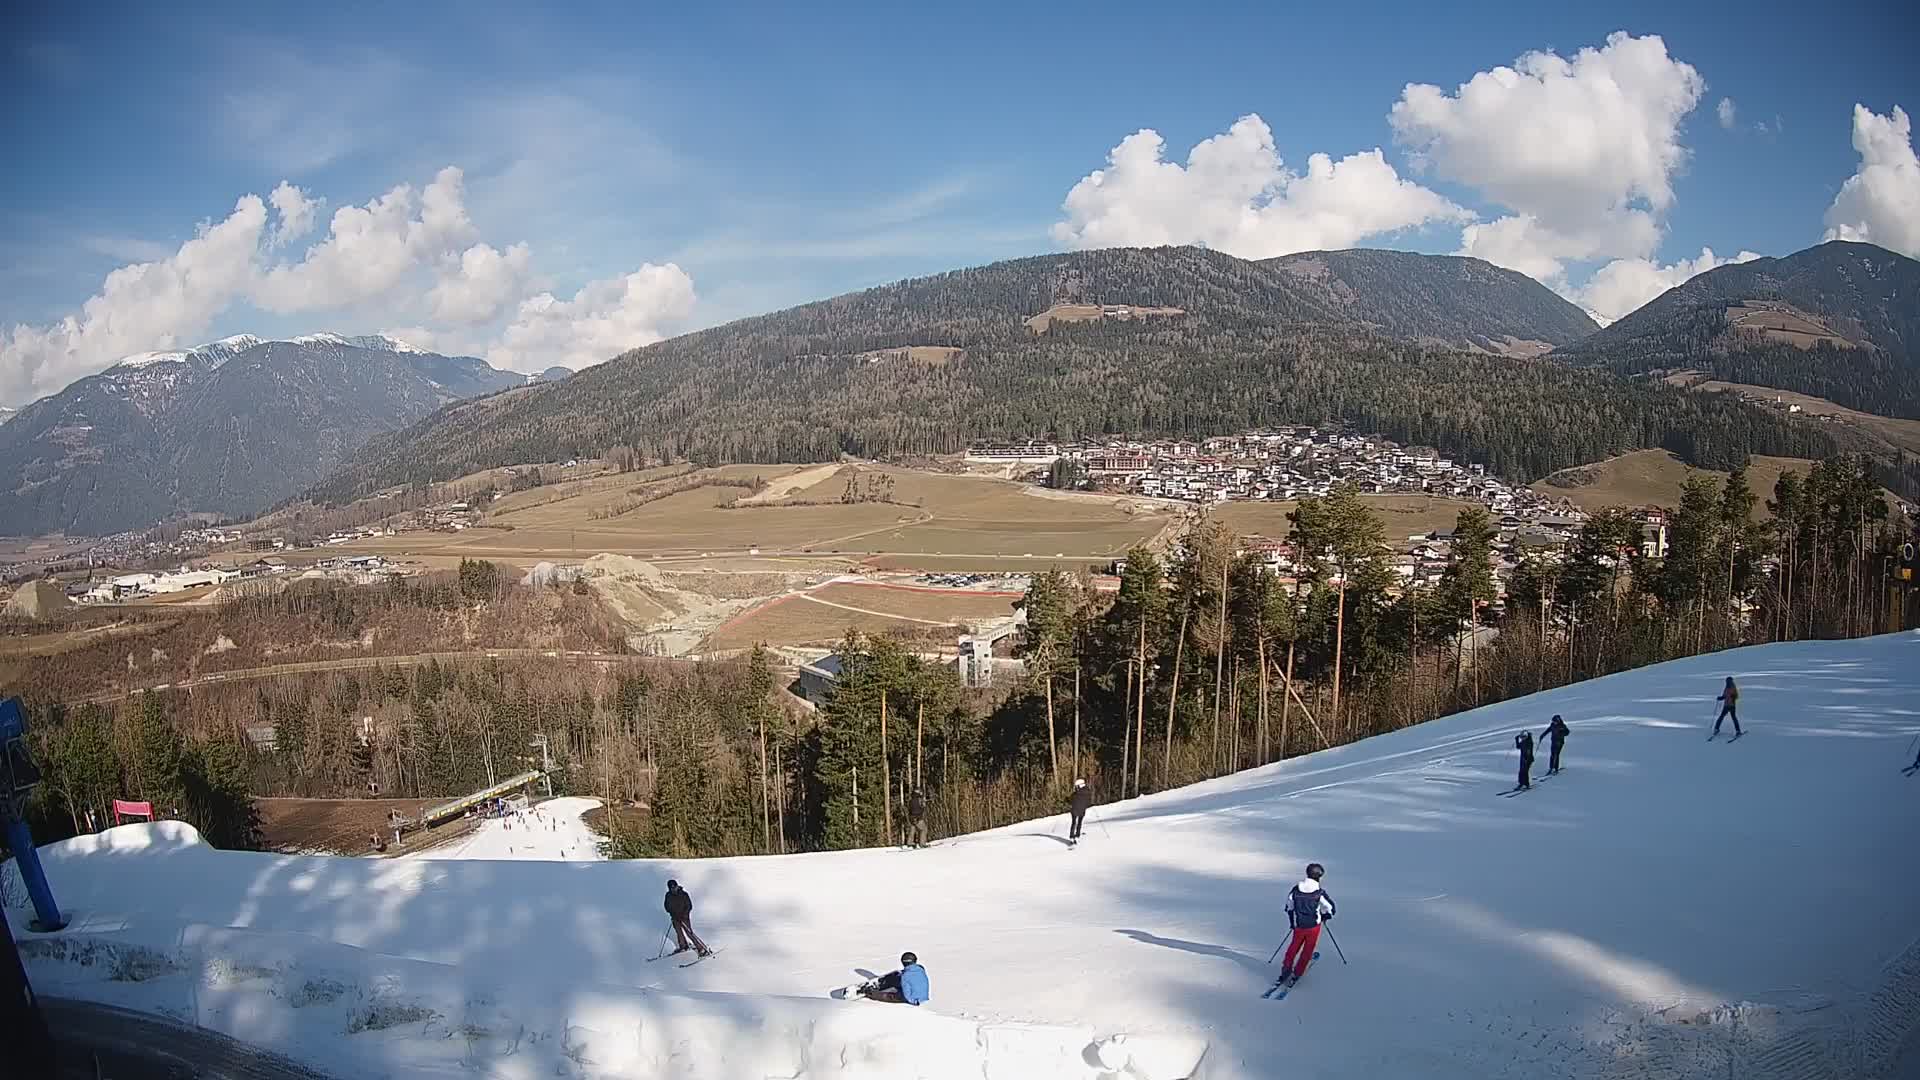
[
  {"x": 793, "y": 620},
  {"x": 932, "y": 515},
  {"x": 962, "y": 564},
  {"x": 1654, "y": 478},
  {"x": 1784, "y": 324},
  {"x": 935, "y": 605},
  {"x": 1403, "y": 515},
  {"x": 1891, "y": 432},
  {"x": 343, "y": 826}
]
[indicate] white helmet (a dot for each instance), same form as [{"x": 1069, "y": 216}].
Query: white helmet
[{"x": 1079, "y": 783}]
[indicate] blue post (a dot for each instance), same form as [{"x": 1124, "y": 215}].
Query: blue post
[
  {"x": 18, "y": 775},
  {"x": 27, "y": 857}
]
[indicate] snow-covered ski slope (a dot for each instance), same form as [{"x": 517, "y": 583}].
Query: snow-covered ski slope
[
  {"x": 552, "y": 830},
  {"x": 1667, "y": 907}
]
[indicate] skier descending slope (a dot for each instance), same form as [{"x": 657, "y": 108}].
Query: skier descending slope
[
  {"x": 1557, "y": 733},
  {"x": 1728, "y": 697},
  {"x": 1308, "y": 906},
  {"x": 1082, "y": 800},
  {"x": 679, "y": 905},
  {"x": 907, "y": 986},
  {"x": 1523, "y": 742}
]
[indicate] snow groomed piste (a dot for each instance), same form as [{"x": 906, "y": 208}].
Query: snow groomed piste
[{"x": 1664, "y": 907}]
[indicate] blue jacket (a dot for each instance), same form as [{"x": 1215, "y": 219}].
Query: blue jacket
[{"x": 913, "y": 984}]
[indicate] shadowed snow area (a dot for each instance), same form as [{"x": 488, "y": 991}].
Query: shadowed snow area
[{"x": 1666, "y": 907}]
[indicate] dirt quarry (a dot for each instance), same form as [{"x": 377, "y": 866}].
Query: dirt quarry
[{"x": 672, "y": 610}]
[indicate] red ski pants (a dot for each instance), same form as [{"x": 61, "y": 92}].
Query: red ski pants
[{"x": 1305, "y": 939}]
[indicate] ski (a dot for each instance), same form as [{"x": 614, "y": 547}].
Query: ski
[
  {"x": 1278, "y": 991},
  {"x": 1910, "y": 770},
  {"x": 1511, "y": 792},
  {"x": 710, "y": 953},
  {"x": 1736, "y": 736}
]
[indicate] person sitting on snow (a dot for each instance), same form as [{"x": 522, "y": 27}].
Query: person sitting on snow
[{"x": 908, "y": 986}]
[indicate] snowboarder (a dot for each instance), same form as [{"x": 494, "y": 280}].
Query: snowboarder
[
  {"x": 907, "y": 986},
  {"x": 1523, "y": 742},
  {"x": 680, "y": 909},
  {"x": 1555, "y": 737},
  {"x": 1727, "y": 698},
  {"x": 1078, "y": 806},
  {"x": 1308, "y": 907},
  {"x": 917, "y": 819}
]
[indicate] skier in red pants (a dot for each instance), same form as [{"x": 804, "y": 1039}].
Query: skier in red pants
[{"x": 1308, "y": 906}]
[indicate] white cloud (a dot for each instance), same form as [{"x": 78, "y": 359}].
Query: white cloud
[
  {"x": 370, "y": 249},
  {"x": 1236, "y": 195},
  {"x": 482, "y": 284},
  {"x": 1880, "y": 202},
  {"x": 161, "y": 304},
  {"x": 297, "y": 214},
  {"x": 604, "y": 319},
  {"x": 1582, "y": 151},
  {"x": 408, "y": 256},
  {"x": 1621, "y": 286},
  {"x": 1725, "y": 111}
]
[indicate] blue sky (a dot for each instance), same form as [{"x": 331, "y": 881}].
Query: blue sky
[{"x": 771, "y": 155}]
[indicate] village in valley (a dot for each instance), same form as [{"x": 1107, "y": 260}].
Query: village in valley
[{"x": 1288, "y": 464}]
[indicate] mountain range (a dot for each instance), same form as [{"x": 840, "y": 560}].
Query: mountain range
[
  {"x": 1839, "y": 321},
  {"x": 1168, "y": 341},
  {"x": 1483, "y": 362},
  {"x": 226, "y": 428}
]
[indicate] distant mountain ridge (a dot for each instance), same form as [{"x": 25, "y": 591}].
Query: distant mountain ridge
[
  {"x": 1183, "y": 341},
  {"x": 1442, "y": 299},
  {"x": 227, "y": 427},
  {"x": 1839, "y": 321}
]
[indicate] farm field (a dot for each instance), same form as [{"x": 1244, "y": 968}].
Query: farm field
[
  {"x": 1654, "y": 478},
  {"x": 795, "y": 620},
  {"x": 1403, "y": 515},
  {"x": 937, "y": 605},
  {"x": 930, "y": 516}
]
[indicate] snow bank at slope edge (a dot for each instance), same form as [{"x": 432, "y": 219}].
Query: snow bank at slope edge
[{"x": 361, "y": 1013}]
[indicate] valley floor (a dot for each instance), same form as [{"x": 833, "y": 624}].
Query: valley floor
[{"x": 1668, "y": 906}]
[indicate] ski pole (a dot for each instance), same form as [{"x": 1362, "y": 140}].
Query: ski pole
[
  {"x": 1336, "y": 944},
  {"x": 662, "y": 951},
  {"x": 1276, "y": 951},
  {"x": 1102, "y": 824}
]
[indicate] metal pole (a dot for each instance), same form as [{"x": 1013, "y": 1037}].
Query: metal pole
[
  {"x": 20, "y": 839},
  {"x": 1336, "y": 943}
]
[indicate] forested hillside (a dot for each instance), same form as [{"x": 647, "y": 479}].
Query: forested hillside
[
  {"x": 1256, "y": 345},
  {"x": 227, "y": 428},
  {"x": 1443, "y": 299},
  {"x": 1839, "y": 321}
]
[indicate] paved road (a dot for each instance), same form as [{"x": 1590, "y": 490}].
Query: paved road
[{"x": 100, "y": 1042}]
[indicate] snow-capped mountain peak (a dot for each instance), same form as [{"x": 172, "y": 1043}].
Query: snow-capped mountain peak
[
  {"x": 213, "y": 353},
  {"x": 371, "y": 342}
]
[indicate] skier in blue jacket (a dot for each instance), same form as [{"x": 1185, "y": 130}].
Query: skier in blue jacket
[{"x": 908, "y": 986}]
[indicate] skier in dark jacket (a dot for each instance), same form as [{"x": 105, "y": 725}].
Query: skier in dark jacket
[
  {"x": 1078, "y": 806},
  {"x": 679, "y": 907},
  {"x": 1523, "y": 742},
  {"x": 1728, "y": 698},
  {"x": 1308, "y": 906},
  {"x": 917, "y": 819},
  {"x": 1556, "y": 737}
]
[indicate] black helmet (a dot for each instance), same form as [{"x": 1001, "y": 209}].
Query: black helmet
[
  {"x": 907, "y": 959},
  {"x": 672, "y": 884},
  {"x": 1316, "y": 871},
  {"x": 1557, "y": 720}
]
